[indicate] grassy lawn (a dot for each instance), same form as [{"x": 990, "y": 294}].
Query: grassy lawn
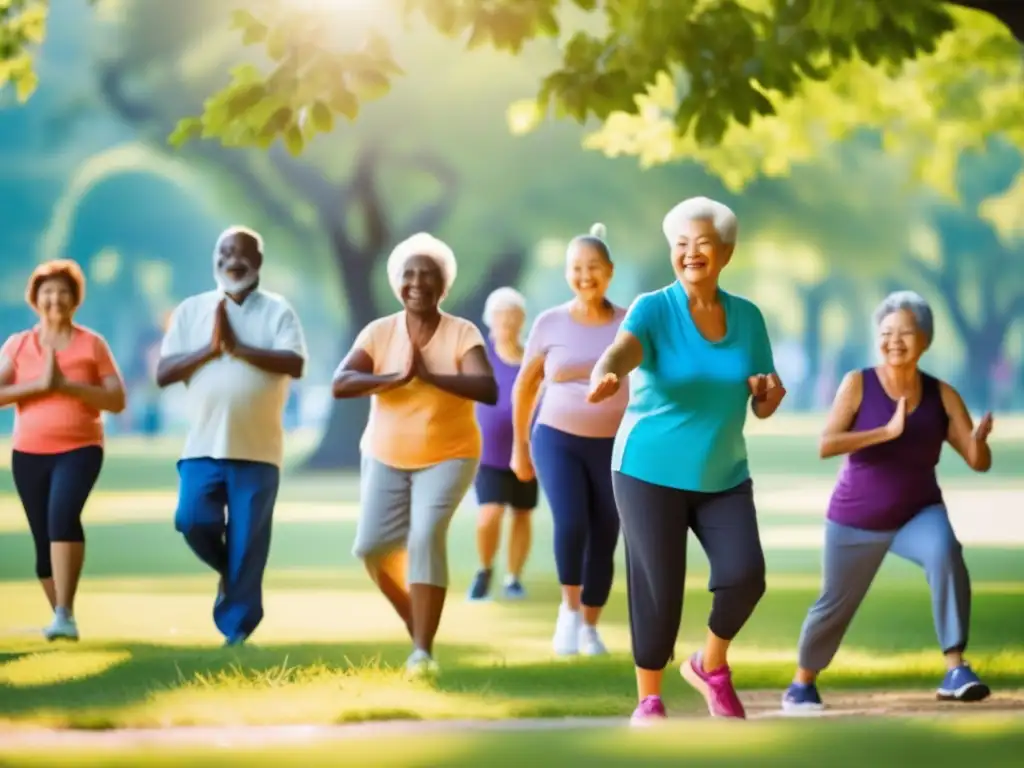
[
  {"x": 329, "y": 647},
  {"x": 992, "y": 742}
]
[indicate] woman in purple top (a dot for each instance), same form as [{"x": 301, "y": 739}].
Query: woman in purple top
[
  {"x": 572, "y": 439},
  {"x": 891, "y": 421},
  {"x": 497, "y": 487}
]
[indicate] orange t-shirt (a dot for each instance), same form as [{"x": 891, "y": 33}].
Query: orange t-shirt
[
  {"x": 55, "y": 422},
  {"x": 419, "y": 425}
]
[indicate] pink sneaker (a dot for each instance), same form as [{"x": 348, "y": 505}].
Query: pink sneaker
[
  {"x": 648, "y": 712},
  {"x": 716, "y": 688}
]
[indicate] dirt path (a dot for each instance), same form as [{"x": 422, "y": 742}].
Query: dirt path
[{"x": 761, "y": 705}]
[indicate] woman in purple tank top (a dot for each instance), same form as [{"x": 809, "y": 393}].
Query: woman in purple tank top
[
  {"x": 891, "y": 422},
  {"x": 497, "y": 487}
]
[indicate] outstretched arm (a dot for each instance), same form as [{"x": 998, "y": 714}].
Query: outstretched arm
[
  {"x": 475, "y": 380},
  {"x": 622, "y": 357},
  {"x": 971, "y": 444}
]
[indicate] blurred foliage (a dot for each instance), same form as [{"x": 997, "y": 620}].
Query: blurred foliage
[
  {"x": 930, "y": 111},
  {"x": 726, "y": 62}
]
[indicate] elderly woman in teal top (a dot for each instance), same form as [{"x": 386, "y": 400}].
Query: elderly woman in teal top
[{"x": 700, "y": 358}]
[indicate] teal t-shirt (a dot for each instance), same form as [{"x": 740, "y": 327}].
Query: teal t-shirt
[{"x": 688, "y": 402}]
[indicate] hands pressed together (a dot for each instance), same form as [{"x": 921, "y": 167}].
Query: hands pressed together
[{"x": 224, "y": 340}]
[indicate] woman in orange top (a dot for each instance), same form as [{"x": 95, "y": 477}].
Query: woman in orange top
[
  {"x": 59, "y": 377},
  {"x": 424, "y": 370}
]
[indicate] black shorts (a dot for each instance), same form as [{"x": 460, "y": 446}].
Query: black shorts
[{"x": 501, "y": 486}]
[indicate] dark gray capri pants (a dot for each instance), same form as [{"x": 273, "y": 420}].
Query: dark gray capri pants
[
  {"x": 655, "y": 523},
  {"x": 411, "y": 509}
]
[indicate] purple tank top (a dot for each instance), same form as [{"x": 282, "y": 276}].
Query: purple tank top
[
  {"x": 883, "y": 486},
  {"x": 496, "y": 420}
]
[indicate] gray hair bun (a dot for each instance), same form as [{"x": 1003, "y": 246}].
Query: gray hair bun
[{"x": 599, "y": 231}]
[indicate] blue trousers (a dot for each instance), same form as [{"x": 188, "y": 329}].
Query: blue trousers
[
  {"x": 225, "y": 509},
  {"x": 853, "y": 557},
  {"x": 576, "y": 475}
]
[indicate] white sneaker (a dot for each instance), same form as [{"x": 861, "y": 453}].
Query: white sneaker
[
  {"x": 590, "y": 642},
  {"x": 420, "y": 664},
  {"x": 566, "y": 641},
  {"x": 63, "y": 626}
]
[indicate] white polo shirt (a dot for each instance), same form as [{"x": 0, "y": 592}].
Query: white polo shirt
[{"x": 235, "y": 410}]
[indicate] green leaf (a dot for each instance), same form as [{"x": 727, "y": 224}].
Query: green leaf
[
  {"x": 368, "y": 84},
  {"x": 344, "y": 102},
  {"x": 321, "y": 117},
  {"x": 185, "y": 131},
  {"x": 25, "y": 85},
  {"x": 293, "y": 140},
  {"x": 710, "y": 126}
]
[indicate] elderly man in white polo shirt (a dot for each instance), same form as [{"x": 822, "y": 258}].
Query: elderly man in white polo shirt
[{"x": 236, "y": 349}]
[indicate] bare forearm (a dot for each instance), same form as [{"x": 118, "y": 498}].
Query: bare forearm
[
  {"x": 478, "y": 388},
  {"x": 979, "y": 456},
  {"x": 13, "y": 394},
  {"x": 350, "y": 384},
  {"x": 98, "y": 397},
  {"x": 524, "y": 403},
  {"x": 180, "y": 368},
  {"x": 619, "y": 359},
  {"x": 847, "y": 442},
  {"x": 281, "y": 362}
]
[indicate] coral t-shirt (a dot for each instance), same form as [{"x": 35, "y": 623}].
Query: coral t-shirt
[
  {"x": 419, "y": 425},
  {"x": 56, "y": 422}
]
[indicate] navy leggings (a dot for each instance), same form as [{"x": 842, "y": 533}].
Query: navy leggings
[
  {"x": 576, "y": 475},
  {"x": 53, "y": 488}
]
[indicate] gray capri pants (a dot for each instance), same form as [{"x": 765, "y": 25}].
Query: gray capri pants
[
  {"x": 410, "y": 509},
  {"x": 852, "y": 558}
]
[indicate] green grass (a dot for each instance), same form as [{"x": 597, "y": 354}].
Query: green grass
[
  {"x": 329, "y": 647},
  {"x": 992, "y": 742}
]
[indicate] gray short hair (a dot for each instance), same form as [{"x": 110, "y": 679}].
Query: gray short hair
[
  {"x": 500, "y": 300},
  {"x": 913, "y": 303},
  {"x": 255, "y": 236},
  {"x": 701, "y": 208}
]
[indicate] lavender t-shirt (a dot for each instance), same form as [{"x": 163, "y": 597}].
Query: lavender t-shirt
[{"x": 566, "y": 343}]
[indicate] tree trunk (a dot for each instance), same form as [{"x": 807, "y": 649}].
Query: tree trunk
[{"x": 814, "y": 300}]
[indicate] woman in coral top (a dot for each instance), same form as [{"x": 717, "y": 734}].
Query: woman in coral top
[{"x": 59, "y": 377}]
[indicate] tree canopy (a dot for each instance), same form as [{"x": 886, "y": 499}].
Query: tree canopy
[{"x": 728, "y": 61}]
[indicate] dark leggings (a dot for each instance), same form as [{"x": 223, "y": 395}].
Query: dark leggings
[
  {"x": 655, "y": 522},
  {"x": 575, "y": 473},
  {"x": 53, "y": 488}
]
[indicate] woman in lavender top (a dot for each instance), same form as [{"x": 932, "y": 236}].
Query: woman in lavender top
[
  {"x": 891, "y": 421},
  {"x": 497, "y": 487},
  {"x": 572, "y": 440}
]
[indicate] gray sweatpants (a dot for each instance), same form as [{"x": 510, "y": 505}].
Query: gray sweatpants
[
  {"x": 410, "y": 509},
  {"x": 853, "y": 557}
]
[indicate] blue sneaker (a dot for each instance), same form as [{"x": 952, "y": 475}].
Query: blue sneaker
[
  {"x": 480, "y": 589},
  {"x": 802, "y": 697},
  {"x": 961, "y": 684},
  {"x": 514, "y": 589}
]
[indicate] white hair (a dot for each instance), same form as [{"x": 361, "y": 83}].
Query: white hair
[
  {"x": 913, "y": 303},
  {"x": 252, "y": 277},
  {"x": 237, "y": 230},
  {"x": 701, "y": 209},
  {"x": 422, "y": 244},
  {"x": 500, "y": 300},
  {"x": 599, "y": 230}
]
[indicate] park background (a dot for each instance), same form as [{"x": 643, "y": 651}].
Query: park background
[{"x": 86, "y": 173}]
